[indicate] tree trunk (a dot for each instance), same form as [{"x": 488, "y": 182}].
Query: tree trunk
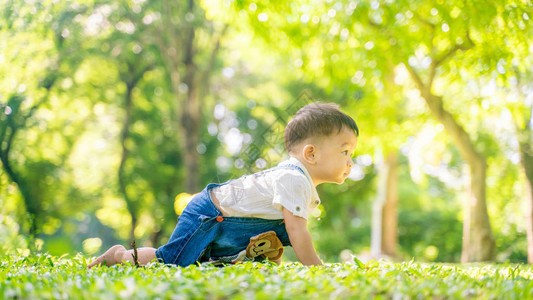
[
  {"x": 131, "y": 77},
  {"x": 132, "y": 209},
  {"x": 384, "y": 236},
  {"x": 32, "y": 204},
  {"x": 526, "y": 159},
  {"x": 189, "y": 81},
  {"x": 190, "y": 118},
  {"x": 9, "y": 128},
  {"x": 528, "y": 166},
  {"x": 377, "y": 208},
  {"x": 389, "y": 238},
  {"x": 478, "y": 242},
  {"x": 190, "y": 124},
  {"x": 185, "y": 89}
]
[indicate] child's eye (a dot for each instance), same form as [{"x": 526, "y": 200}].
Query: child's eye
[{"x": 345, "y": 152}]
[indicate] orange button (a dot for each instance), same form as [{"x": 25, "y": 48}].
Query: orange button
[{"x": 220, "y": 219}]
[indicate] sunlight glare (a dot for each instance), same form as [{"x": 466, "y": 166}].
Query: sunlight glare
[
  {"x": 233, "y": 140},
  {"x": 92, "y": 245},
  {"x": 262, "y": 17}
]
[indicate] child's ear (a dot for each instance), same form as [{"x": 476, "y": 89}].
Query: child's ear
[{"x": 309, "y": 152}]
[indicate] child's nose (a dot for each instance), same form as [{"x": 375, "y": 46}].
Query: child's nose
[{"x": 350, "y": 162}]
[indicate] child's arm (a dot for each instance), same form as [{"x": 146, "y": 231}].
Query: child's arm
[{"x": 300, "y": 239}]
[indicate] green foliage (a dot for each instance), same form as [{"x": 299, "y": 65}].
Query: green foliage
[
  {"x": 10, "y": 237},
  {"x": 344, "y": 222},
  {"x": 49, "y": 277},
  {"x": 438, "y": 229}
]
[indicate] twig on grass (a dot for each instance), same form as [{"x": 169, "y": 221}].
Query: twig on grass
[{"x": 135, "y": 256}]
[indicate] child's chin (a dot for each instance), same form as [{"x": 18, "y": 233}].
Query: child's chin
[
  {"x": 341, "y": 181},
  {"x": 338, "y": 181}
]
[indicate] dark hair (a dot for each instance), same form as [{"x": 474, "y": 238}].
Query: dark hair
[{"x": 316, "y": 119}]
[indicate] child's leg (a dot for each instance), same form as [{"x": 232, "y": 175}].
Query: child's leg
[{"x": 118, "y": 254}]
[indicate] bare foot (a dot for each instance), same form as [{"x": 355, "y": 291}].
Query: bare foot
[{"x": 110, "y": 257}]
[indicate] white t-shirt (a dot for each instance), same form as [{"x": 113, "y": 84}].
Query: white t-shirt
[{"x": 264, "y": 194}]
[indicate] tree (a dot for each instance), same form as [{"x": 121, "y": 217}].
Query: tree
[
  {"x": 13, "y": 120},
  {"x": 188, "y": 44},
  {"x": 518, "y": 55},
  {"x": 525, "y": 135},
  {"x": 126, "y": 47},
  {"x": 522, "y": 112},
  {"x": 502, "y": 49},
  {"x": 36, "y": 41},
  {"x": 420, "y": 37},
  {"x": 389, "y": 235}
]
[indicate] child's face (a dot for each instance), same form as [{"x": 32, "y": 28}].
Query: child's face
[{"x": 334, "y": 157}]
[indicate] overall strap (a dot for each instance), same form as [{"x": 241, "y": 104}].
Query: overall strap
[
  {"x": 292, "y": 167},
  {"x": 283, "y": 166}
]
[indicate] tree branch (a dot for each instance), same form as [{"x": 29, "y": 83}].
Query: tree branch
[
  {"x": 436, "y": 62},
  {"x": 36, "y": 106},
  {"x": 530, "y": 121},
  {"x": 134, "y": 254},
  {"x": 9, "y": 143},
  {"x": 189, "y": 43},
  {"x": 209, "y": 69},
  {"x": 423, "y": 20},
  {"x": 417, "y": 79}
]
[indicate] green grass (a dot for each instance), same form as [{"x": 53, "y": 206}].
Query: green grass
[{"x": 44, "y": 276}]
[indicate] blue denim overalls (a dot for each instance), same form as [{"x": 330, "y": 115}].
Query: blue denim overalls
[{"x": 202, "y": 233}]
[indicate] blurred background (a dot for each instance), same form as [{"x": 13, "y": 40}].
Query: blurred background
[{"x": 114, "y": 112}]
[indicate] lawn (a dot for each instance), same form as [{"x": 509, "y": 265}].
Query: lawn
[{"x": 44, "y": 277}]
